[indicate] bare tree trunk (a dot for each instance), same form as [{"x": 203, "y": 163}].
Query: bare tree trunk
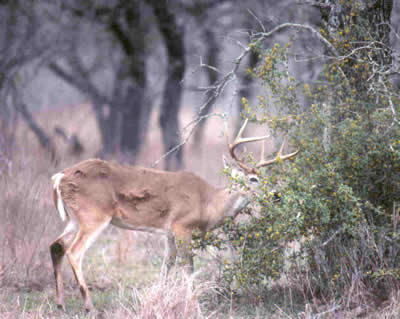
[
  {"x": 212, "y": 51},
  {"x": 106, "y": 116},
  {"x": 246, "y": 80},
  {"x": 120, "y": 115},
  {"x": 170, "y": 106},
  {"x": 373, "y": 20},
  {"x": 107, "y": 121},
  {"x": 19, "y": 30},
  {"x": 245, "y": 90},
  {"x": 8, "y": 121},
  {"x": 44, "y": 140},
  {"x": 374, "y": 16},
  {"x": 131, "y": 101}
]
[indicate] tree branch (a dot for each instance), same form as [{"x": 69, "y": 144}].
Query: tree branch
[
  {"x": 44, "y": 140},
  {"x": 82, "y": 86}
]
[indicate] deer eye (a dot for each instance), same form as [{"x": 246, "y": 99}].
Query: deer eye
[{"x": 253, "y": 180}]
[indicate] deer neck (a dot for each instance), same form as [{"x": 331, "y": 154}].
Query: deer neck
[{"x": 226, "y": 203}]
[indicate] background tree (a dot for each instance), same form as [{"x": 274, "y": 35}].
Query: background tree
[
  {"x": 123, "y": 126},
  {"x": 122, "y": 111},
  {"x": 173, "y": 35},
  {"x": 20, "y": 49},
  {"x": 323, "y": 238}
]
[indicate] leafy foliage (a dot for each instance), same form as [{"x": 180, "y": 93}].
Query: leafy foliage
[{"x": 336, "y": 225}]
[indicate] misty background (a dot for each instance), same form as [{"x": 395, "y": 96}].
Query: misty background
[{"x": 129, "y": 60}]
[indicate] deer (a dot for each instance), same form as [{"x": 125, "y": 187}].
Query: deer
[{"x": 94, "y": 193}]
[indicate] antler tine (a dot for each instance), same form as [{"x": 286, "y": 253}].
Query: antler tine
[
  {"x": 282, "y": 146},
  {"x": 240, "y": 140},
  {"x": 262, "y": 151},
  {"x": 279, "y": 156}
]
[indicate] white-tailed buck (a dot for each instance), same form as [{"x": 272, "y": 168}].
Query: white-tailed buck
[{"x": 93, "y": 194}]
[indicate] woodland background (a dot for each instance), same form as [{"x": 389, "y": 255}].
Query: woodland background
[{"x": 153, "y": 83}]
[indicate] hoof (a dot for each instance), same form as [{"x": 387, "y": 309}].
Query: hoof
[
  {"x": 61, "y": 307},
  {"x": 93, "y": 312},
  {"x": 89, "y": 308}
]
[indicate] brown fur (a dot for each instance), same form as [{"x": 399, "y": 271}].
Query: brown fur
[{"x": 139, "y": 196}]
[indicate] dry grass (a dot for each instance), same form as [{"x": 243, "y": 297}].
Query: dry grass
[
  {"x": 25, "y": 223},
  {"x": 124, "y": 277},
  {"x": 174, "y": 298},
  {"x": 30, "y": 223}
]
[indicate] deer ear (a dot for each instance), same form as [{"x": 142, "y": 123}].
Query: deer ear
[{"x": 225, "y": 161}]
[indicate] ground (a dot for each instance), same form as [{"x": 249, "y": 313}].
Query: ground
[{"x": 122, "y": 268}]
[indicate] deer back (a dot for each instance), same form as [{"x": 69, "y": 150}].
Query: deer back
[{"x": 136, "y": 196}]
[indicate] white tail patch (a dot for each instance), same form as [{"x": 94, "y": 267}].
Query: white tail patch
[{"x": 56, "y": 178}]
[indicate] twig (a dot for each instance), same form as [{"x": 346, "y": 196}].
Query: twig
[
  {"x": 281, "y": 311},
  {"x": 264, "y": 35},
  {"x": 220, "y": 85},
  {"x": 194, "y": 123},
  {"x": 314, "y": 3},
  {"x": 203, "y": 65},
  {"x": 258, "y": 20},
  {"x": 318, "y": 315},
  {"x": 331, "y": 238}
]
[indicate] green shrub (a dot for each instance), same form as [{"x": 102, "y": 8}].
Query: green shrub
[{"x": 336, "y": 225}]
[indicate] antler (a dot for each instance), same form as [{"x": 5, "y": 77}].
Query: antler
[
  {"x": 279, "y": 156},
  {"x": 240, "y": 140}
]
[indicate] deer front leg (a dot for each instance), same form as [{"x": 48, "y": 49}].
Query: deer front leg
[
  {"x": 183, "y": 240},
  {"x": 169, "y": 256}
]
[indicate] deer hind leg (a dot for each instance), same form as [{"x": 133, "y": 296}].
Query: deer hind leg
[
  {"x": 57, "y": 251},
  {"x": 75, "y": 253},
  {"x": 170, "y": 255}
]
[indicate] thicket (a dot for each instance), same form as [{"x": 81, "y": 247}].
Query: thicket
[{"x": 334, "y": 234}]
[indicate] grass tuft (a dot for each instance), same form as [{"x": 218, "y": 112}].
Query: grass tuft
[{"x": 172, "y": 298}]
